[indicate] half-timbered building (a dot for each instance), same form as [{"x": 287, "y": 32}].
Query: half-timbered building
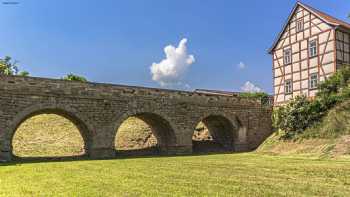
[{"x": 311, "y": 46}]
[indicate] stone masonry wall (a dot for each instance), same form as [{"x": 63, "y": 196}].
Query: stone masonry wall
[{"x": 99, "y": 109}]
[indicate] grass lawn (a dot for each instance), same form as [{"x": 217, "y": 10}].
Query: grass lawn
[{"x": 247, "y": 174}]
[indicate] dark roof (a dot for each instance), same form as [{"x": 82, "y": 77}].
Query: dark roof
[
  {"x": 323, "y": 16},
  {"x": 330, "y": 19}
]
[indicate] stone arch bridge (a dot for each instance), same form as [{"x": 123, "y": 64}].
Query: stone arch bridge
[{"x": 99, "y": 109}]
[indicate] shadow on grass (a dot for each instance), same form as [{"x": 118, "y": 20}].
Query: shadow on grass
[
  {"x": 129, "y": 154},
  {"x": 208, "y": 146},
  {"x": 23, "y": 160},
  {"x": 152, "y": 152}
]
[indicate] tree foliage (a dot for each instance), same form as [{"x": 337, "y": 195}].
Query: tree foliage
[
  {"x": 296, "y": 116},
  {"x": 73, "y": 77},
  {"x": 23, "y": 73},
  {"x": 9, "y": 67},
  {"x": 335, "y": 89},
  {"x": 262, "y": 96}
]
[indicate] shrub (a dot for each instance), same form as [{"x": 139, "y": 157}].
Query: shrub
[
  {"x": 72, "y": 77},
  {"x": 23, "y": 74},
  {"x": 262, "y": 96},
  {"x": 335, "y": 89},
  {"x": 296, "y": 116}
]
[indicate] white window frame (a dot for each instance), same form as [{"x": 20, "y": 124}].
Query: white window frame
[
  {"x": 313, "y": 48},
  {"x": 287, "y": 58},
  {"x": 288, "y": 86},
  {"x": 313, "y": 81},
  {"x": 300, "y": 25}
]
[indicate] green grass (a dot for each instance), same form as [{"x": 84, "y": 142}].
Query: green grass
[
  {"x": 335, "y": 124},
  {"x": 302, "y": 171},
  {"x": 213, "y": 175},
  {"x": 312, "y": 147}
]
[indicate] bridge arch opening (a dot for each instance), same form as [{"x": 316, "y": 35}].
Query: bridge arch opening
[
  {"x": 49, "y": 134},
  {"x": 144, "y": 134},
  {"x": 214, "y": 133}
]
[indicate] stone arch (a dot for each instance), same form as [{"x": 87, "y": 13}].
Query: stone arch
[
  {"x": 159, "y": 124},
  {"x": 224, "y": 132},
  {"x": 60, "y": 110}
]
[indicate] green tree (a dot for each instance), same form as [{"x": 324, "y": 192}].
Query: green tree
[
  {"x": 262, "y": 96},
  {"x": 23, "y": 74},
  {"x": 72, "y": 77},
  {"x": 9, "y": 67}
]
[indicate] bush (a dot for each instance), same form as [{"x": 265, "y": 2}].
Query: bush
[
  {"x": 335, "y": 89},
  {"x": 72, "y": 77},
  {"x": 296, "y": 116},
  {"x": 261, "y": 96}
]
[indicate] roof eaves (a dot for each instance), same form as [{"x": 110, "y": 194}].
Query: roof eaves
[
  {"x": 315, "y": 12},
  {"x": 319, "y": 14}
]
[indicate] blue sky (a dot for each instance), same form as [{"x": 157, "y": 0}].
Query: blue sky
[{"x": 117, "y": 41}]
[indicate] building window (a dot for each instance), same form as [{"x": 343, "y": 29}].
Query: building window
[
  {"x": 313, "y": 81},
  {"x": 300, "y": 25},
  {"x": 287, "y": 56},
  {"x": 312, "y": 48},
  {"x": 288, "y": 89}
]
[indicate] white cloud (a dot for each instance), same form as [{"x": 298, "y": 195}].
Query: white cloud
[
  {"x": 241, "y": 65},
  {"x": 250, "y": 87},
  {"x": 171, "y": 70}
]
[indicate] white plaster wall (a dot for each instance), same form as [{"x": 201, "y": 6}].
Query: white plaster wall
[
  {"x": 328, "y": 58},
  {"x": 296, "y": 76},
  {"x": 296, "y": 67},
  {"x": 304, "y": 74},
  {"x": 328, "y": 68}
]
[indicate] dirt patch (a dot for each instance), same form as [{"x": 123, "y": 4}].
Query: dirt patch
[
  {"x": 134, "y": 134},
  {"x": 47, "y": 135},
  {"x": 342, "y": 147}
]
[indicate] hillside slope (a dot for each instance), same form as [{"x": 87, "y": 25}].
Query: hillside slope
[{"x": 329, "y": 138}]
